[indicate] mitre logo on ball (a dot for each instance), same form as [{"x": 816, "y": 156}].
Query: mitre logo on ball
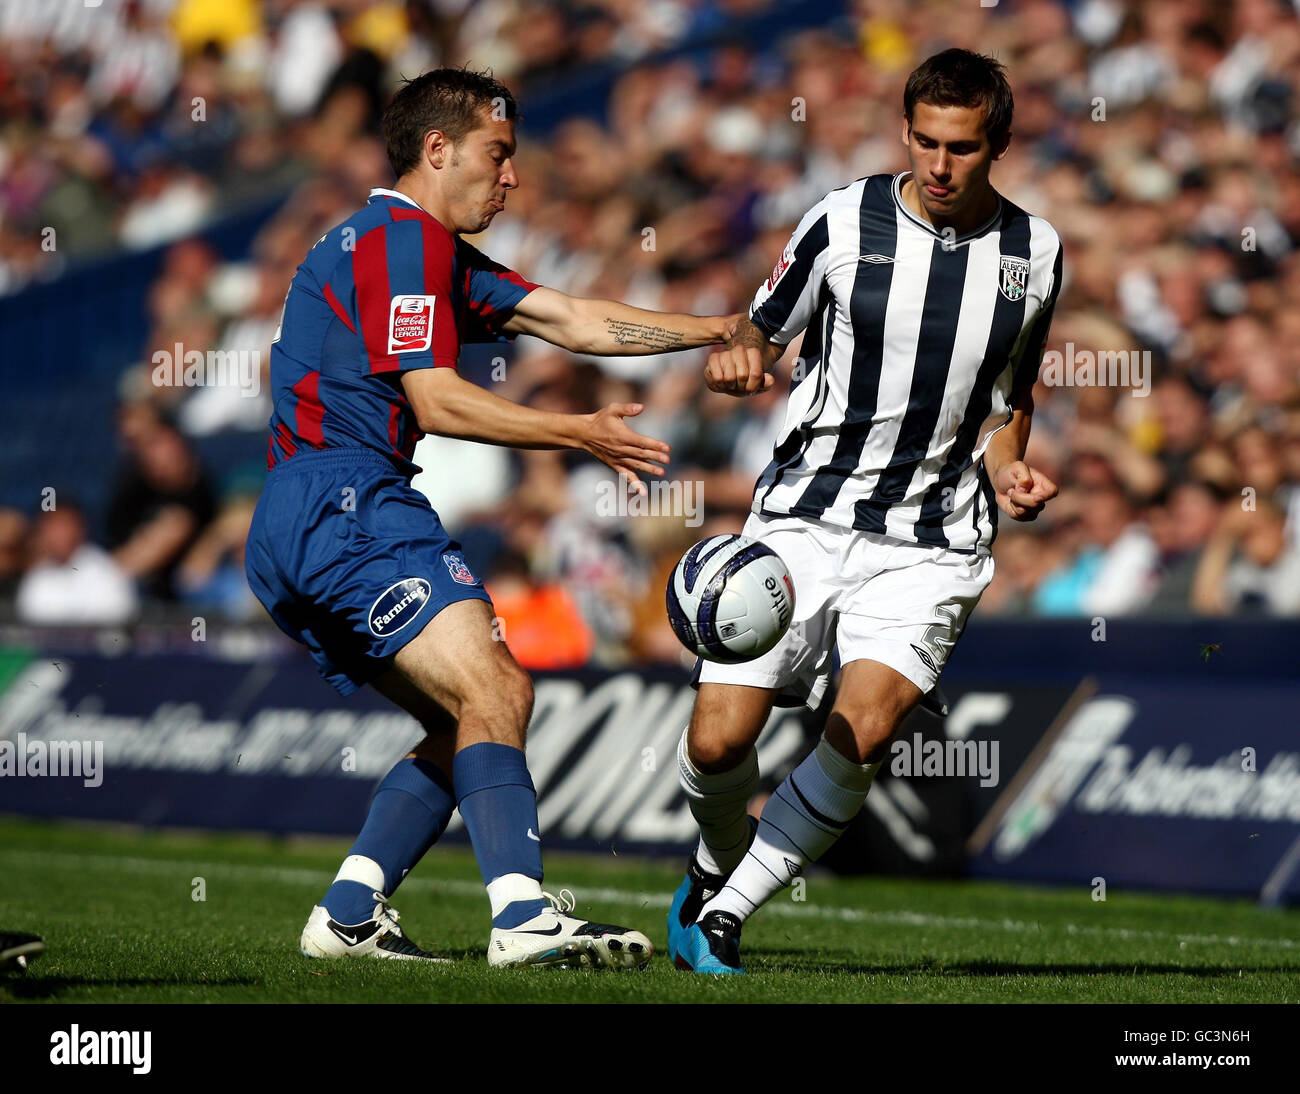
[{"x": 730, "y": 598}]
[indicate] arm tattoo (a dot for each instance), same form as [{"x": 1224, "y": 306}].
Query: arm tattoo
[
  {"x": 626, "y": 333},
  {"x": 748, "y": 335}
]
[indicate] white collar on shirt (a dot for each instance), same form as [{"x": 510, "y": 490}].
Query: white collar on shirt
[
  {"x": 927, "y": 226},
  {"x": 379, "y": 191}
]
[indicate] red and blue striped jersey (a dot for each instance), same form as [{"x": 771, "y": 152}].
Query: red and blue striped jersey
[{"x": 389, "y": 289}]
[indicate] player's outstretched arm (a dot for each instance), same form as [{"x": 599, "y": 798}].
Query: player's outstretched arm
[
  {"x": 1021, "y": 490},
  {"x": 448, "y": 405},
  {"x": 610, "y": 329},
  {"x": 743, "y": 366}
]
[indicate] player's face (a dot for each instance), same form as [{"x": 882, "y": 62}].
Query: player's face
[
  {"x": 482, "y": 172},
  {"x": 950, "y": 157}
]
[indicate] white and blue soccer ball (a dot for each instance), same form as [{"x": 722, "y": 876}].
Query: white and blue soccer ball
[{"x": 730, "y": 599}]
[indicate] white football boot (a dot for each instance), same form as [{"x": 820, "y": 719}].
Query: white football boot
[
  {"x": 378, "y": 936},
  {"x": 554, "y": 937},
  {"x": 18, "y": 950}
]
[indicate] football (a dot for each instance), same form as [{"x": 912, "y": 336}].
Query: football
[{"x": 730, "y": 598}]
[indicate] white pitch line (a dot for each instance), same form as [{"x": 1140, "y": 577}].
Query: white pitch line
[{"x": 319, "y": 878}]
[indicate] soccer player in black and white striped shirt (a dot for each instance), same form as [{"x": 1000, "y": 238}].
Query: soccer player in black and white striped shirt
[{"x": 925, "y": 300}]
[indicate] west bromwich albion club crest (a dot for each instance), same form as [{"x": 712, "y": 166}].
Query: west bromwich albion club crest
[{"x": 1014, "y": 277}]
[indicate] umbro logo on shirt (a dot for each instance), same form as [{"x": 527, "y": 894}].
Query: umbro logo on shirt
[{"x": 878, "y": 260}]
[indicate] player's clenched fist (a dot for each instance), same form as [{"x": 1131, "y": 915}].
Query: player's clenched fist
[
  {"x": 740, "y": 367},
  {"x": 737, "y": 370},
  {"x": 1022, "y": 491}
]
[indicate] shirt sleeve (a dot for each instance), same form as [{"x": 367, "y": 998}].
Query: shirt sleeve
[
  {"x": 1025, "y": 366},
  {"x": 403, "y": 272},
  {"x": 492, "y": 292},
  {"x": 788, "y": 299}
]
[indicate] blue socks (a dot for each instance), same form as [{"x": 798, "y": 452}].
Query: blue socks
[
  {"x": 412, "y": 807},
  {"x": 498, "y": 803},
  {"x": 408, "y": 813}
]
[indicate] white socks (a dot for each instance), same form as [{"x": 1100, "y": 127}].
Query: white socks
[
  {"x": 808, "y": 813},
  {"x": 509, "y": 888},
  {"x": 718, "y": 803},
  {"x": 364, "y": 871}
]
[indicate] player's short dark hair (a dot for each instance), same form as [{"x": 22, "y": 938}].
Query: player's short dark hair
[
  {"x": 446, "y": 99},
  {"x": 960, "y": 77}
]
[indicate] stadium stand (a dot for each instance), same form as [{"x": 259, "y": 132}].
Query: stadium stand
[{"x": 165, "y": 164}]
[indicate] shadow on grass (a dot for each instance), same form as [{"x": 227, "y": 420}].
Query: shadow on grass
[
  {"x": 455, "y": 954},
  {"x": 769, "y": 960},
  {"x": 48, "y": 987}
]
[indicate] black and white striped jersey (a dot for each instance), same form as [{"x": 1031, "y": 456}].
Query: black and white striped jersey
[{"x": 914, "y": 342}]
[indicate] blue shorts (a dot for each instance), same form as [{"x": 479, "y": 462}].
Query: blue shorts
[{"x": 351, "y": 561}]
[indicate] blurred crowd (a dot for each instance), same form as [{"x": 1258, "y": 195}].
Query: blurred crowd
[{"x": 1158, "y": 137}]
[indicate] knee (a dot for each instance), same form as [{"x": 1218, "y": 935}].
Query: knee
[
  {"x": 713, "y": 754},
  {"x": 861, "y": 734},
  {"x": 518, "y": 698},
  {"x": 504, "y": 699}
]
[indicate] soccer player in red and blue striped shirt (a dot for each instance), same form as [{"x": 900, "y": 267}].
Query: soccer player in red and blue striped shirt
[{"x": 351, "y": 561}]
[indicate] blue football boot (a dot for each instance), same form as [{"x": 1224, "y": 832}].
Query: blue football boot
[
  {"x": 712, "y": 946},
  {"x": 697, "y": 888},
  {"x": 695, "y": 891}
]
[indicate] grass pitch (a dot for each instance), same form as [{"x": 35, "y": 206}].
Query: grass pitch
[{"x": 116, "y": 909}]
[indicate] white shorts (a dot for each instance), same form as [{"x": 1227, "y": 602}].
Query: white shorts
[{"x": 902, "y": 604}]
